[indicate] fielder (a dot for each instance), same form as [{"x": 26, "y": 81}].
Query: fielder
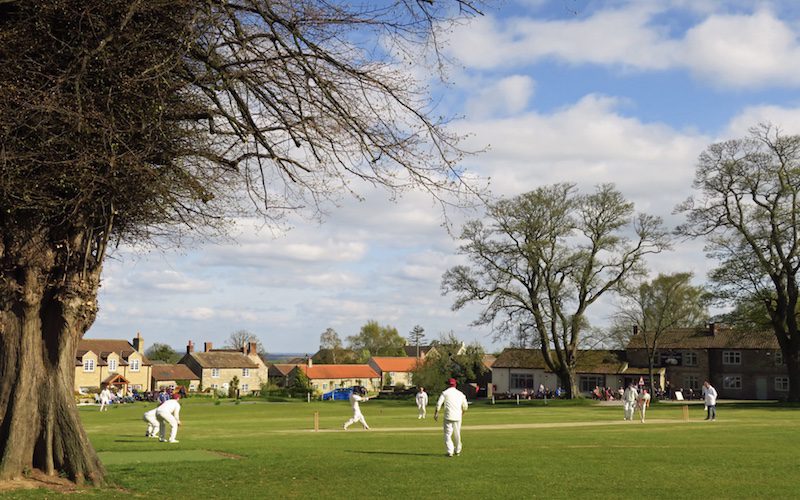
[
  {"x": 169, "y": 413},
  {"x": 105, "y": 399},
  {"x": 629, "y": 398},
  {"x": 422, "y": 403},
  {"x": 357, "y": 416},
  {"x": 455, "y": 404},
  {"x": 643, "y": 403},
  {"x": 152, "y": 423}
]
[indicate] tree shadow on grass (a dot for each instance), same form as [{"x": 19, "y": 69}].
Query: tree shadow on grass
[{"x": 394, "y": 453}]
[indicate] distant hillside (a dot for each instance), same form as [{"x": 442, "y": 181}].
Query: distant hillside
[{"x": 277, "y": 357}]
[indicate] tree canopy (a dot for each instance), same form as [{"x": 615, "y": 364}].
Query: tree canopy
[
  {"x": 162, "y": 352},
  {"x": 127, "y": 120},
  {"x": 377, "y": 340},
  {"x": 543, "y": 258},
  {"x": 747, "y": 209}
]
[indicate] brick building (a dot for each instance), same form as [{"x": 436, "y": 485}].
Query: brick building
[{"x": 739, "y": 364}]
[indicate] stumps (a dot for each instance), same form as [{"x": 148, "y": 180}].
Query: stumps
[
  {"x": 316, "y": 421},
  {"x": 685, "y": 413}
]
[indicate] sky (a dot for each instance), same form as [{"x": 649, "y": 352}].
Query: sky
[{"x": 590, "y": 92}]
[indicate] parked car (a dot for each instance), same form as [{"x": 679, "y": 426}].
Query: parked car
[{"x": 342, "y": 393}]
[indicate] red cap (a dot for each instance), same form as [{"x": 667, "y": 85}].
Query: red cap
[
  {"x": 176, "y": 396},
  {"x": 452, "y": 382}
]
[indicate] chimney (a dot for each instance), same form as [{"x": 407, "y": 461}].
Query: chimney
[
  {"x": 309, "y": 362},
  {"x": 206, "y": 346},
  {"x": 138, "y": 343},
  {"x": 636, "y": 329},
  {"x": 190, "y": 347},
  {"x": 251, "y": 348},
  {"x": 712, "y": 327}
]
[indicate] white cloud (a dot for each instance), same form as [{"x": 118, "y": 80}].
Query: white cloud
[
  {"x": 726, "y": 50},
  {"x": 508, "y": 96}
]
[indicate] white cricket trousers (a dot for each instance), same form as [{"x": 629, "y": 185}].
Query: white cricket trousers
[
  {"x": 167, "y": 418},
  {"x": 452, "y": 436},
  {"x": 357, "y": 417},
  {"x": 643, "y": 410},
  {"x": 152, "y": 423},
  {"x": 629, "y": 406},
  {"x": 423, "y": 412}
]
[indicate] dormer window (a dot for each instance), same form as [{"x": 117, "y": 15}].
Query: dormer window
[
  {"x": 134, "y": 363},
  {"x": 88, "y": 365},
  {"x": 112, "y": 365}
]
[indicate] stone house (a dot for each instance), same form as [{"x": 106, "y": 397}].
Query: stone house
[
  {"x": 394, "y": 371},
  {"x": 119, "y": 364},
  {"x": 521, "y": 371},
  {"x": 216, "y": 368},
  {"x": 739, "y": 364},
  {"x": 170, "y": 376}
]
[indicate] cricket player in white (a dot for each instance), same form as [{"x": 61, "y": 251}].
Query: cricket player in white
[
  {"x": 629, "y": 398},
  {"x": 455, "y": 404},
  {"x": 152, "y": 423},
  {"x": 105, "y": 399},
  {"x": 357, "y": 416},
  {"x": 422, "y": 403},
  {"x": 169, "y": 413},
  {"x": 643, "y": 403}
]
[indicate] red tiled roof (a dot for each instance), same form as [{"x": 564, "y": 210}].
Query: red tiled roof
[
  {"x": 395, "y": 364},
  {"x": 173, "y": 372},
  {"x": 339, "y": 371}
]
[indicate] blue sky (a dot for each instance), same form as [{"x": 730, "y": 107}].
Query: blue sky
[{"x": 582, "y": 91}]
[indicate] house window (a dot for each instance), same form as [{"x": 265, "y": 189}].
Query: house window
[
  {"x": 112, "y": 365},
  {"x": 522, "y": 380},
  {"x": 245, "y": 388},
  {"x": 324, "y": 386},
  {"x": 88, "y": 365},
  {"x": 134, "y": 365},
  {"x": 215, "y": 372},
  {"x": 779, "y": 358},
  {"x": 215, "y": 386},
  {"x": 690, "y": 359},
  {"x": 589, "y": 382},
  {"x": 691, "y": 382},
  {"x": 138, "y": 387},
  {"x": 731, "y": 358},
  {"x": 732, "y": 382},
  {"x": 192, "y": 387},
  {"x": 245, "y": 372},
  {"x": 782, "y": 384}
]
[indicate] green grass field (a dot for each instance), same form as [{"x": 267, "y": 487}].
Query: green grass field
[{"x": 268, "y": 450}]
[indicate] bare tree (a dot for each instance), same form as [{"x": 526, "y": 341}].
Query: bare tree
[
  {"x": 128, "y": 120},
  {"x": 747, "y": 209},
  {"x": 241, "y": 338},
  {"x": 656, "y": 307},
  {"x": 544, "y": 258}
]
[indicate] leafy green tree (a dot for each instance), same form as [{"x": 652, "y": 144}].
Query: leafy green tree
[
  {"x": 139, "y": 121},
  {"x": 453, "y": 360},
  {"x": 301, "y": 384},
  {"x": 747, "y": 209},
  {"x": 667, "y": 302},
  {"x": 332, "y": 351},
  {"x": 162, "y": 352},
  {"x": 544, "y": 257},
  {"x": 377, "y": 340}
]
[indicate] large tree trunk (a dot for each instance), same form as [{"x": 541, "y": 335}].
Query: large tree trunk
[
  {"x": 44, "y": 311},
  {"x": 792, "y": 357},
  {"x": 569, "y": 383}
]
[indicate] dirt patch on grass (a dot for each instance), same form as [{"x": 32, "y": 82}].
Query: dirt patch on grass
[{"x": 225, "y": 454}]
